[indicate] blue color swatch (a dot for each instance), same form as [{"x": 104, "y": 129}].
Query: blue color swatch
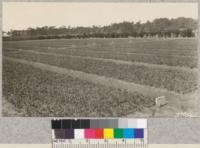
[
  {"x": 128, "y": 133},
  {"x": 139, "y": 133}
]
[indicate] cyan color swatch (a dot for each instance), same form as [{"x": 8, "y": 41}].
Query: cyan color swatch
[{"x": 128, "y": 133}]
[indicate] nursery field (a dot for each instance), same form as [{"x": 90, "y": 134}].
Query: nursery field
[{"x": 99, "y": 77}]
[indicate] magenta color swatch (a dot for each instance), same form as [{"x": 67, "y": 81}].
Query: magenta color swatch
[{"x": 90, "y": 133}]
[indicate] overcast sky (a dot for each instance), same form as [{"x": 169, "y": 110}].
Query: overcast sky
[{"x": 18, "y": 15}]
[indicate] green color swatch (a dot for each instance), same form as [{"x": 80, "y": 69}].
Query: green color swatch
[{"x": 118, "y": 133}]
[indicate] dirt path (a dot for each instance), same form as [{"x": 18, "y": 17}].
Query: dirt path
[
  {"x": 164, "y": 53},
  {"x": 115, "y": 61},
  {"x": 131, "y": 53},
  {"x": 176, "y": 103}
]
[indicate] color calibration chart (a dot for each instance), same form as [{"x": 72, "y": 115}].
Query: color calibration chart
[{"x": 99, "y": 133}]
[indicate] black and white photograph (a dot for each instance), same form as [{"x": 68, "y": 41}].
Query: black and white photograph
[{"x": 89, "y": 59}]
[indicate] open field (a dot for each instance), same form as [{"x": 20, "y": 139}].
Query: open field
[
  {"x": 158, "y": 52},
  {"x": 99, "y": 77},
  {"x": 181, "y": 81},
  {"x": 60, "y": 95}
]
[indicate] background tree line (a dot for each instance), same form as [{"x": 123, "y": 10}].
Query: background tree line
[{"x": 161, "y": 27}]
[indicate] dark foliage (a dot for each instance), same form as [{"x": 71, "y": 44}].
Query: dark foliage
[{"x": 162, "y": 27}]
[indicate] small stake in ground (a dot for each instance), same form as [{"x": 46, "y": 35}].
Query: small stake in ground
[{"x": 161, "y": 101}]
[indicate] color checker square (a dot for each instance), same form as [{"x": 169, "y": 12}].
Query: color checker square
[
  {"x": 59, "y": 133},
  {"x": 89, "y": 133},
  {"x": 79, "y": 134},
  {"x": 139, "y": 133},
  {"x": 99, "y": 133},
  {"x": 128, "y": 133},
  {"x": 56, "y": 124},
  {"x": 118, "y": 133},
  {"x": 69, "y": 133},
  {"x": 108, "y": 133}
]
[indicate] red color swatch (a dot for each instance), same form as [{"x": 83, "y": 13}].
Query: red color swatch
[{"x": 99, "y": 133}]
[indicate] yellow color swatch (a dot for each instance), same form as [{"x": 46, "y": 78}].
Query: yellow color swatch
[{"x": 108, "y": 133}]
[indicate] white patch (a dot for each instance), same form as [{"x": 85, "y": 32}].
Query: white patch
[
  {"x": 160, "y": 101},
  {"x": 79, "y": 134}
]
